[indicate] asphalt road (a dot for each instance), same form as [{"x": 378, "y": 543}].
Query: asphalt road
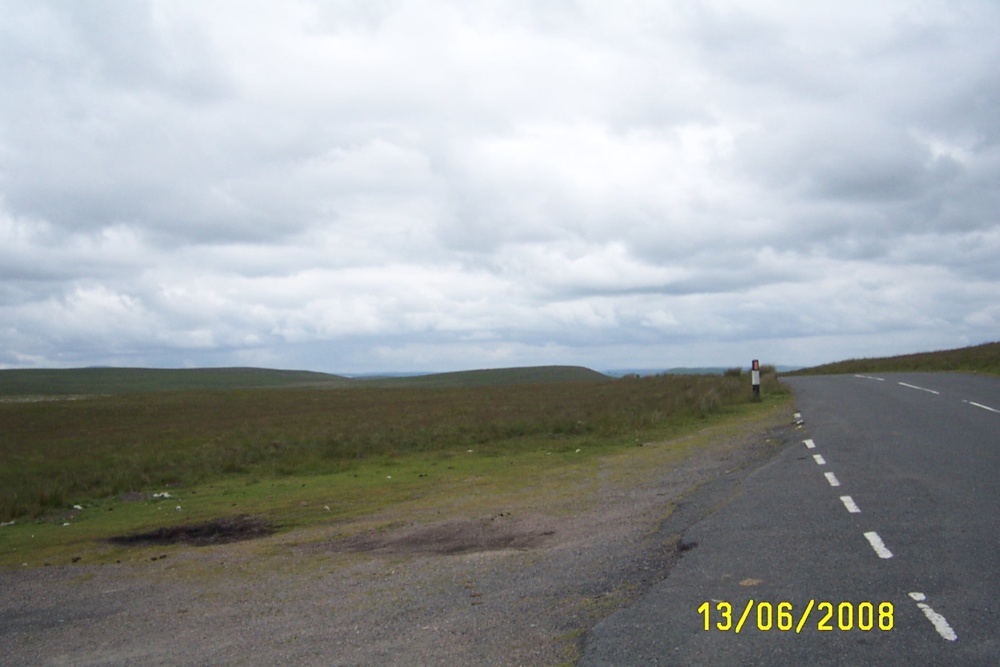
[{"x": 888, "y": 509}]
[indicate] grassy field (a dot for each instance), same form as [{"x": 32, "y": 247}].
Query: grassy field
[
  {"x": 977, "y": 359},
  {"x": 267, "y": 450}
]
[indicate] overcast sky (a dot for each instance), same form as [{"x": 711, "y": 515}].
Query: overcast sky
[{"x": 373, "y": 185}]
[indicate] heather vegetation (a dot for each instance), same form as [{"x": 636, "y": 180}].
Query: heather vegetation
[
  {"x": 57, "y": 453},
  {"x": 977, "y": 359}
]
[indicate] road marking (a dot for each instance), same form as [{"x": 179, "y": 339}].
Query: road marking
[
  {"x": 819, "y": 459},
  {"x": 830, "y": 477},
  {"x": 870, "y": 377},
  {"x": 877, "y": 544},
  {"x": 937, "y": 620},
  {"x": 913, "y": 386},
  {"x": 810, "y": 444},
  {"x": 852, "y": 507},
  {"x": 980, "y": 405}
]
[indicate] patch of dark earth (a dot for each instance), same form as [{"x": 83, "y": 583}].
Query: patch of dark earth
[{"x": 220, "y": 531}]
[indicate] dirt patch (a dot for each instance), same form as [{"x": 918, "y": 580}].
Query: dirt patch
[
  {"x": 495, "y": 533},
  {"x": 220, "y": 531}
]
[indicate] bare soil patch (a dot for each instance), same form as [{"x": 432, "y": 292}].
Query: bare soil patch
[{"x": 220, "y": 531}]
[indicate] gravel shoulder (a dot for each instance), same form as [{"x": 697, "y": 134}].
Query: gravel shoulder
[{"x": 520, "y": 585}]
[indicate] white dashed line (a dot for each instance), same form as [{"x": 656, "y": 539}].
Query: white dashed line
[
  {"x": 980, "y": 405},
  {"x": 913, "y": 386},
  {"x": 853, "y": 508},
  {"x": 878, "y": 545},
  {"x": 937, "y": 620},
  {"x": 870, "y": 377}
]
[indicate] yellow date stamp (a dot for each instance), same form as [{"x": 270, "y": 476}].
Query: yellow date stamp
[{"x": 784, "y": 617}]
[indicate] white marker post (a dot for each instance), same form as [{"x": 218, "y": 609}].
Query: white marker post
[{"x": 755, "y": 379}]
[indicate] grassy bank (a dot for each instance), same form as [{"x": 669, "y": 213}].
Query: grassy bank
[
  {"x": 976, "y": 359},
  {"x": 61, "y": 453}
]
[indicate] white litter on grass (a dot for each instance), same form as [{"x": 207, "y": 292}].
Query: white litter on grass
[
  {"x": 178, "y": 508},
  {"x": 8, "y": 523},
  {"x": 162, "y": 495},
  {"x": 388, "y": 476},
  {"x": 77, "y": 507},
  {"x": 326, "y": 507},
  {"x": 66, "y": 524}
]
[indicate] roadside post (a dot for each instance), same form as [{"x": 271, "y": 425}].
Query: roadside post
[{"x": 755, "y": 379}]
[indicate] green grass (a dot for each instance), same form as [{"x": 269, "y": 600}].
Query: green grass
[
  {"x": 977, "y": 359},
  {"x": 289, "y": 453},
  {"x": 58, "y": 453},
  {"x": 535, "y": 474}
]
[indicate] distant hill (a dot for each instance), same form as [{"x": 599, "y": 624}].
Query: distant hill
[
  {"x": 643, "y": 372},
  {"x": 89, "y": 381},
  {"x": 976, "y": 359},
  {"x": 493, "y": 377},
  {"x": 68, "y": 381},
  {"x": 685, "y": 370}
]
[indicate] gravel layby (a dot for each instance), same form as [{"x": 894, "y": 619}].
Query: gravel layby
[{"x": 521, "y": 586}]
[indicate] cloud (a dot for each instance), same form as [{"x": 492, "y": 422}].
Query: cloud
[{"x": 415, "y": 184}]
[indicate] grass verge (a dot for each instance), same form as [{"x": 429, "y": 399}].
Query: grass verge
[
  {"x": 976, "y": 359},
  {"x": 300, "y": 458}
]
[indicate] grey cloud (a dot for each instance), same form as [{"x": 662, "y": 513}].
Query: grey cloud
[
  {"x": 357, "y": 185},
  {"x": 136, "y": 46}
]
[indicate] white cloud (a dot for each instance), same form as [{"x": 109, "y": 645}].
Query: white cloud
[{"x": 417, "y": 184}]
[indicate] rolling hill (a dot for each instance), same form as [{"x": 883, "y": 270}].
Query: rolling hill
[
  {"x": 70, "y": 381},
  {"x": 983, "y": 358},
  {"x": 90, "y": 381}
]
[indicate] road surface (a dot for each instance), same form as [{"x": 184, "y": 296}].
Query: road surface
[{"x": 873, "y": 540}]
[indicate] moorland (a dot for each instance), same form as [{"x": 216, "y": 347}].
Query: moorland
[{"x": 79, "y": 444}]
